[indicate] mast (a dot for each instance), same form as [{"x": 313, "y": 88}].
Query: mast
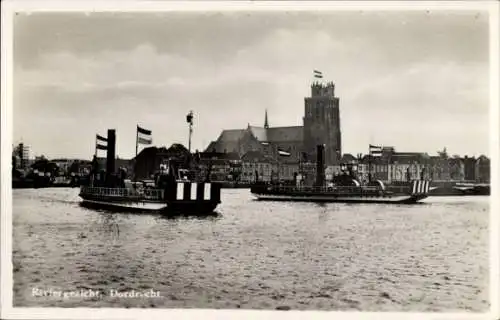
[
  {"x": 136, "y": 141},
  {"x": 369, "y": 164},
  {"x": 189, "y": 119}
]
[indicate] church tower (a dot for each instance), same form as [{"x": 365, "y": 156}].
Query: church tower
[{"x": 322, "y": 123}]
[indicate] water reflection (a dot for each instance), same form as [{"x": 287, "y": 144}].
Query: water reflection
[
  {"x": 192, "y": 216},
  {"x": 167, "y": 215}
]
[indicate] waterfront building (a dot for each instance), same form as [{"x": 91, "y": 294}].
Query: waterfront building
[
  {"x": 256, "y": 164},
  {"x": 20, "y": 156},
  {"x": 219, "y": 166},
  {"x": 321, "y": 125},
  {"x": 62, "y": 164},
  {"x": 469, "y": 168},
  {"x": 482, "y": 169},
  {"x": 127, "y": 164}
]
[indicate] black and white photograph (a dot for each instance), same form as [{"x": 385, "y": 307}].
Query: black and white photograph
[{"x": 267, "y": 159}]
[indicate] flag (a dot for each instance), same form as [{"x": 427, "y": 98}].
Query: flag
[
  {"x": 101, "y": 138},
  {"x": 142, "y": 140},
  {"x": 375, "y": 150},
  {"x": 144, "y": 136},
  {"x": 318, "y": 74},
  {"x": 101, "y": 147},
  {"x": 143, "y": 131}
]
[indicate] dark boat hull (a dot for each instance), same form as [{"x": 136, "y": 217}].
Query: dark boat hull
[
  {"x": 141, "y": 207},
  {"x": 123, "y": 204},
  {"x": 404, "y": 199},
  {"x": 119, "y": 206},
  {"x": 407, "y": 194},
  {"x": 180, "y": 198}
]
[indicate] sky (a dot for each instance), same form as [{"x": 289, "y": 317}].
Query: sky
[{"x": 418, "y": 81}]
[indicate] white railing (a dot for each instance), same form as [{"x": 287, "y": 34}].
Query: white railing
[
  {"x": 323, "y": 188},
  {"x": 149, "y": 194},
  {"x": 341, "y": 189}
]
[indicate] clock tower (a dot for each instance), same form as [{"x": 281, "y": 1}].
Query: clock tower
[{"x": 322, "y": 123}]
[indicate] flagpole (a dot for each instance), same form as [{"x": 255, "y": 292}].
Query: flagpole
[
  {"x": 136, "y": 140},
  {"x": 369, "y": 164},
  {"x": 189, "y": 119},
  {"x": 136, "y": 147},
  {"x": 95, "y": 152},
  {"x": 190, "y": 132}
]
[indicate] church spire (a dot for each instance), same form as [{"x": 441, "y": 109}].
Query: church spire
[{"x": 266, "y": 123}]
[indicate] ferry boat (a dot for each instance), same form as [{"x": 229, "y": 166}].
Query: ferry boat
[
  {"x": 174, "y": 190},
  {"x": 344, "y": 188},
  {"x": 168, "y": 194},
  {"x": 377, "y": 193}
]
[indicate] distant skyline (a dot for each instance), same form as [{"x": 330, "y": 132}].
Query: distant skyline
[{"x": 418, "y": 81}]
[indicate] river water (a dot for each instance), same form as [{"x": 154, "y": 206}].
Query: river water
[{"x": 254, "y": 255}]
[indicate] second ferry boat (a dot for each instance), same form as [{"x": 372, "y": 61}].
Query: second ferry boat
[{"x": 344, "y": 188}]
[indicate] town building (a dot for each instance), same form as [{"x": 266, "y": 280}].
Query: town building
[
  {"x": 482, "y": 169},
  {"x": 469, "y": 168},
  {"x": 20, "y": 156},
  {"x": 127, "y": 164},
  {"x": 257, "y": 165},
  {"x": 219, "y": 166},
  {"x": 321, "y": 125}
]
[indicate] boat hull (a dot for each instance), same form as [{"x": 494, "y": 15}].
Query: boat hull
[
  {"x": 180, "y": 198},
  {"x": 132, "y": 206},
  {"x": 407, "y": 194},
  {"x": 403, "y": 199}
]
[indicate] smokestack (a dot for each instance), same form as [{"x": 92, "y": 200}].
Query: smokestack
[
  {"x": 320, "y": 165},
  {"x": 110, "y": 159}
]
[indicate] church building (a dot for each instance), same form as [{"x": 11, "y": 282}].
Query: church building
[{"x": 321, "y": 125}]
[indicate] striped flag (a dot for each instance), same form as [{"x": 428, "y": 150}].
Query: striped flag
[
  {"x": 144, "y": 136},
  {"x": 144, "y": 140},
  {"x": 101, "y": 147},
  {"x": 99, "y": 143},
  {"x": 375, "y": 150},
  {"x": 143, "y": 131},
  {"x": 318, "y": 74}
]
